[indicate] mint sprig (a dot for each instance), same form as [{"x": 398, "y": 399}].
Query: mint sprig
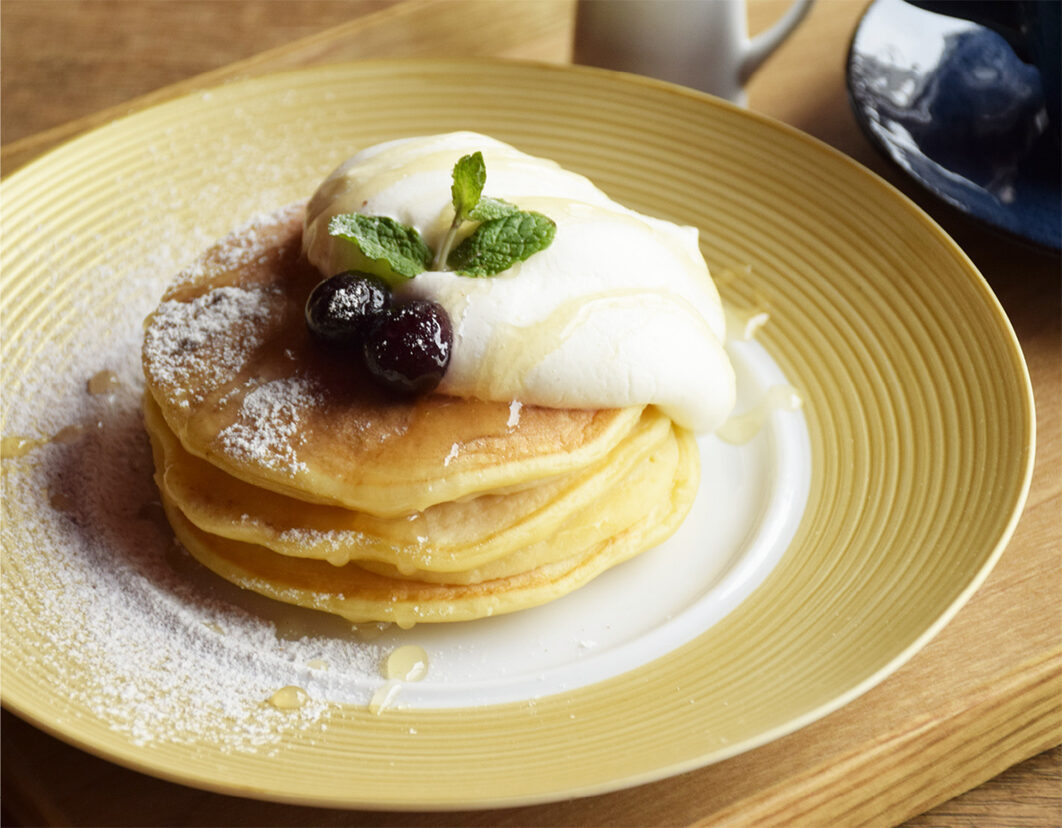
[{"x": 505, "y": 235}]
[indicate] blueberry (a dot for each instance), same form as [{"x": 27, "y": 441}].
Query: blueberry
[
  {"x": 339, "y": 308},
  {"x": 408, "y": 348}
]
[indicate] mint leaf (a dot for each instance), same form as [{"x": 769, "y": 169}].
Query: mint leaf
[
  {"x": 384, "y": 239},
  {"x": 469, "y": 176},
  {"x": 492, "y": 208},
  {"x": 498, "y": 244}
]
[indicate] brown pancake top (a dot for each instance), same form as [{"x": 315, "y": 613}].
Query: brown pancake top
[{"x": 239, "y": 380}]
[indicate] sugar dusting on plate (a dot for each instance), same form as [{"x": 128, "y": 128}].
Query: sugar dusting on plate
[{"x": 124, "y": 620}]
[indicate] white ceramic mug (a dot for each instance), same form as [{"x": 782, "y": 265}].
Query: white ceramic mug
[{"x": 699, "y": 43}]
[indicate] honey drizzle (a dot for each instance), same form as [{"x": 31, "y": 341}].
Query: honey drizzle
[
  {"x": 370, "y": 632},
  {"x": 103, "y": 382},
  {"x": 16, "y": 445},
  {"x": 383, "y": 697},
  {"x": 289, "y": 698},
  {"x": 743, "y": 324},
  {"x": 408, "y": 663},
  {"x": 741, "y": 428},
  {"x": 405, "y": 664},
  {"x": 69, "y": 434},
  {"x": 61, "y": 502}
]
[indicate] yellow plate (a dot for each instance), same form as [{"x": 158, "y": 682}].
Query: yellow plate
[{"x": 917, "y": 402}]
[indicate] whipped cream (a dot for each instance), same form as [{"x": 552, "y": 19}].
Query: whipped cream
[{"x": 619, "y": 311}]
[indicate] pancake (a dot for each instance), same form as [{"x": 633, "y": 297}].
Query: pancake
[
  {"x": 239, "y": 381},
  {"x": 630, "y": 501},
  {"x": 284, "y": 468},
  {"x": 359, "y": 595},
  {"x": 454, "y": 537}
]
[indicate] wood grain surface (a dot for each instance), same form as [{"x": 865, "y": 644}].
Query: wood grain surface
[{"x": 983, "y": 696}]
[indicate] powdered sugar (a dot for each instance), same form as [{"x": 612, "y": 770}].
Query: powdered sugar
[
  {"x": 266, "y": 432},
  {"x": 96, "y": 594},
  {"x": 224, "y": 324}
]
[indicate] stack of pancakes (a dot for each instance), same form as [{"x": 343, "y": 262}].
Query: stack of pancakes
[{"x": 284, "y": 469}]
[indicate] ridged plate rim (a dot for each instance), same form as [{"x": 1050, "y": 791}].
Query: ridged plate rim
[{"x": 511, "y": 755}]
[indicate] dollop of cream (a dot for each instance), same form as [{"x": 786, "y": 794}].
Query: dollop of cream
[{"x": 619, "y": 311}]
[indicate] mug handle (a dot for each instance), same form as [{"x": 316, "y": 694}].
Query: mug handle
[{"x": 760, "y": 47}]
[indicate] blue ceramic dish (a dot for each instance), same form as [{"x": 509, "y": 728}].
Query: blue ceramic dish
[{"x": 953, "y": 106}]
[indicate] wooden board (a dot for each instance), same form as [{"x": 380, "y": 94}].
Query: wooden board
[{"x": 984, "y": 695}]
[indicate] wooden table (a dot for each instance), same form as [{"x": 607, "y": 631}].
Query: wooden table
[{"x": 984, "y": 696}]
